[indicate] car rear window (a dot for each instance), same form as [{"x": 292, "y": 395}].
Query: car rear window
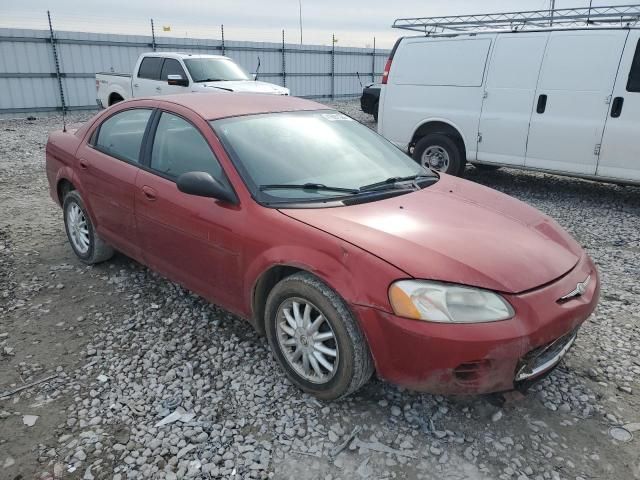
[{"x": 120, "y": 135}]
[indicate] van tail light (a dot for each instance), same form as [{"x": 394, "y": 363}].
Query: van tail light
[
  {"x": 385, "y": 74},
  {"x": 387, "y": 67}
]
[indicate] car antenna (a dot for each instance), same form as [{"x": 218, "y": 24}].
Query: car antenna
[
  {"x": 257, "y": 70},
  {"x": 358, "y": 75}
]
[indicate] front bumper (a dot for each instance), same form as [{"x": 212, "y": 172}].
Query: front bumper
[{"x": 484, "y": 357}]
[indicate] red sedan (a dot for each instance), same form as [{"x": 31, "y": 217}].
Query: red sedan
[{"x": 347, "y": 254}]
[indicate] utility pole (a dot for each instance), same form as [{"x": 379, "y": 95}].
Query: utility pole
[{"x": 300, "y": 15}]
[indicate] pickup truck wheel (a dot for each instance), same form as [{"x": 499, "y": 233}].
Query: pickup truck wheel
[
  {"x": 439, "y": 152},
  {"x": 85, "y": 242},
  {"x": 315, "y": 338}
]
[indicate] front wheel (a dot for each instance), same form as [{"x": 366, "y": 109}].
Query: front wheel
[
  {"x": 315, "y": 338},
  {"x": 439, "y": 152},
  {"x": 85, "y": 242}
]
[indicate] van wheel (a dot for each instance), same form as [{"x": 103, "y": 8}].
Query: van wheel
[
  {"x": 439, "y": 152},
  {"x": 85, "y": 242},
  {"x": 315, "y": 338}
]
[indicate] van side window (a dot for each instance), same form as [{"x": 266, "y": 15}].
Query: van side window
[
  {"x": 150, "y": 68},
  {"x": 178, "y": 147},
  {"x": 633, "y": 83}
]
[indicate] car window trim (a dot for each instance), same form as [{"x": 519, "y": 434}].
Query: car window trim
[
  {"x": 96, "y": 133},
  {"x": 147, "y": 149}
]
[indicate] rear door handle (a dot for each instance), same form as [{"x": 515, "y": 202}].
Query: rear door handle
[
  {"x": 83, "y": 164},
  {"x": 542, "y": 103},
  {"x": 136, "y": 85},
  {"x": 158, "y": 89},
  {"x": 149, "y": 193},
  {"x": 616, "y": 107}
]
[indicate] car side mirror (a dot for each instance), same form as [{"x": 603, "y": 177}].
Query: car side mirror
[
  {"x": 202, "y": 184},
  {"x": 177, "y": 80}
]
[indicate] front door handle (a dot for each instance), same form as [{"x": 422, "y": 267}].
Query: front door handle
[
  {"x": 83, "y": 164},
  {"x": 158, "y": 89},
  {"x": 542, "y": 103},
  {"x": 136, "y": 85},
  {"x": 616, "y": 107},
  {"x": 149, "y": 193}
]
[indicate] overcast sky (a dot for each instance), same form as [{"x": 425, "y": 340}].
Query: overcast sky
[{"x": 355, "y": 22}]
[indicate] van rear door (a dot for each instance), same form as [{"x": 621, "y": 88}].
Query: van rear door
[
  {"x": 576, "y": 81},
  {"x": 620, "y": 152},
  {"x": 509, "y": 95}
]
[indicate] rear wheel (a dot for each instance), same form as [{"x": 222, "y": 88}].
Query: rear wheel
[
  {"x": 315, "y": 338},
  {"x": 439, "y": 152},
  {"x": 85, "y": 242}
]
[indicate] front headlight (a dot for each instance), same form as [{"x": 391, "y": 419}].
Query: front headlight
[{"x": 447, "y": 303}]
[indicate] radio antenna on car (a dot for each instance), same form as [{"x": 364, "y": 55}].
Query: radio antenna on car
[{"x": 616, "y": 15}]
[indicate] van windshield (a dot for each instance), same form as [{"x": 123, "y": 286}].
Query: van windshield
[
  {"x": 215, "y": 70},
  {"x": 313, "y": 155}
]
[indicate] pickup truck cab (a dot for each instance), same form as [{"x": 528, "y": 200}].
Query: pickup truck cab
[{"x": 170, "y": 73}]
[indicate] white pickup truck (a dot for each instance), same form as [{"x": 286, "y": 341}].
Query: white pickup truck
[{"x": 165, "y": 73}]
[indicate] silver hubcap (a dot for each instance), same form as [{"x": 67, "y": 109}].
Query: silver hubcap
[
  {"x": 435, "y": 157},
  {"x": 78, "y": 228},
  {"x": 307, "y": 340}
]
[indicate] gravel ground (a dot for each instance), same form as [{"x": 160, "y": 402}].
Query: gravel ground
[{"x": 129, "y": 351}]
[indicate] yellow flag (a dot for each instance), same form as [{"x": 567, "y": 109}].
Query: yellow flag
[{"x": 166, "y": 28}]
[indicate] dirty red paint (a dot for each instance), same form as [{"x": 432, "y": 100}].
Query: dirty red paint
[{"x": 454, "y": 231}]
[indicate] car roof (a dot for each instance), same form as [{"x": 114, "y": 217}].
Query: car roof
[
  {"x": 213, "y": 106},
  {"x": 183, "y": 55}
]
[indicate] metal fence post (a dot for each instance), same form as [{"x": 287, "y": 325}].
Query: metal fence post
[
  {"x": 333, "y": 66},
  {"x": 222, "y": 34},
  {"x": 373, "y": 61},
  {"x": 284, "y": 63},
  {"x": 153, "y": 37},
  {"x": 57, "y": 64}
]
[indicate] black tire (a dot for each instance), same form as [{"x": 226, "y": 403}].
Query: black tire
[
  {"x": 486, "y": 168},
  {"x": 115, "y": 98},
  {"x": 456, "y": 161},
  {"x": 354, "y": 363},
  {"x": 375, "y": 112},
  {"x": 98, "y": 251}
]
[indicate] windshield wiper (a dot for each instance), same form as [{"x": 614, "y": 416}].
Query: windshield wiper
[
  {"x": 311, "y": 187},
  {"x": 392, "y": 182},
  {"x": 209, "y": 80}
]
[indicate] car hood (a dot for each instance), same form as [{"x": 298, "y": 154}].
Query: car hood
[
  {"x": 247, "y": 86},
  {"x": 455, "y": 231}
]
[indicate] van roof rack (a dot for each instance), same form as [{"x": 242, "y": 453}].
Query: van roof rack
[{"x": 620, "y": 15}]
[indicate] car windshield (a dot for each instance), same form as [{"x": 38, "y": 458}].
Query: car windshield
[
  {"x": 312, "y": 155},
  {"x": 215, "y": 70}
]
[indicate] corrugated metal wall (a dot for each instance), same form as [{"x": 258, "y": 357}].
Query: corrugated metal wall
[{"x": 28, "y": 79}]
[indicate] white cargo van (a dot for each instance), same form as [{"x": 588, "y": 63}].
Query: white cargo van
[{"x": 563, "y": 99}]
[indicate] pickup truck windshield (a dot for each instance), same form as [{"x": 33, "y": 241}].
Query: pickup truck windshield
[
  {"x": 214, "y": 70},
  {"x": 318, "y": 154}
]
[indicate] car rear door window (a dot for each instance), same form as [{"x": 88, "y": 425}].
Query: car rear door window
[
  {"x": 121, "y": 135},
  {"x": 179, "y": 147},
  {"x": 171, "y": 67},
  {"x": 150, "y": 68}
]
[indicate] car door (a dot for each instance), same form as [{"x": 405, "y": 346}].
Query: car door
[
  {"x": 576, "y": 81},
  {"x": 147, "y": 82},
  {"x": 509, "y": 94},
  {"x": 620, "y": 152},
  {"x": 107, "y": 168},
  {"x": 171, "y": 66},
  {"x": 189, "y": 239}
]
